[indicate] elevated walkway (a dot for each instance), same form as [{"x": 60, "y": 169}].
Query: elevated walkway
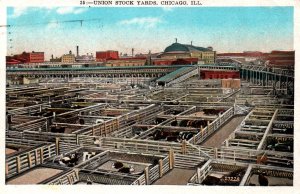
[{"x": 175, "y": 74}]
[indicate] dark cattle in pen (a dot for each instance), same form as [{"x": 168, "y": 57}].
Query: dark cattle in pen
[
  {"x": 165, "y": 135},
  {"x": 159, "y": 120},
  {"x": 117, "y": 165},
  {"x": 211, "y": 111},
  {"x": 70, "y": 160},
  {"x": 233, "y": 178},
  {"x": 175, "y": 112},
  {"x": 193, "y": 123},
  {"x": 80, "y": 121},
  {"x": 57, "y": 129},
  {"x": 174, "y": 123},
  {"x": 262, "y": 179},
  {"x": 185, "y": 135},
  {"x": 286, "y": 146}
]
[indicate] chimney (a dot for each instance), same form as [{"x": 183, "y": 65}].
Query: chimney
[
  {"x": 191, "y": 42},
  {"x": 77, "y": 51},
  {"x": 132, "y": 51},
  {"x": 52, "y": 56},
  {"x": 175, "y": 40}
]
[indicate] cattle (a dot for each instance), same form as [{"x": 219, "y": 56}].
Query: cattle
[
  {"x": 233, "y": 178},
  {"x": 262, "y": 179},
  {"x": 57, "y": 129},
  {"x": 175, "y": 112},
  {"x": 286, "y": 146},
  {"x": 165, "y": 135},
  {"x": 172, "y": 136},
  {"x": 70, "y": 160},
  {"x": 211, "y": 111},
  {"x": 174, "y": 123},
  {"x": 9, "y": 119},
  {"x": 81, "y": 121},
  {"x": 194, "y": 124},
  {"x": 117, "y": 165},
  {"x": 126, "y": 169},
  {"x": 159, "y": 120}
]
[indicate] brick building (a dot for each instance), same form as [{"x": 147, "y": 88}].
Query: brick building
[
  {"x": 219, "y": 74},
  {"x": 103, "y": 56},
  {"x": 33, "y": 57},
  {"x": 281, "y": 59},
  {"x": 125, "y": 62}
]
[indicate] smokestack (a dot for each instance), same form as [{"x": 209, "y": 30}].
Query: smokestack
[
  {"x": 191, "y": 42},
  {"x": 52, "y": 56},
  {"x": 77, "y": 51},
  {"x": 132, "y": 51}
]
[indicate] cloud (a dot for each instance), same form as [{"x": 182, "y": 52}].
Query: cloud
[
  {"x": 145, "y": 22},
  {"x": 168, "y": 9},
  {"x": 18, "y": 11},
  {"x": 68, "y": 10}
]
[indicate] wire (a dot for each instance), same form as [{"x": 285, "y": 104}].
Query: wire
[{"x": 52, "y": 22}]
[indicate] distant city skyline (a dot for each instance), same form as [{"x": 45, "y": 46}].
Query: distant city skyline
[{"x": 226, "y": 29}]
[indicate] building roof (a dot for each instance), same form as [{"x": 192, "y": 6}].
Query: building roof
[{"x": 175, "y": 47}]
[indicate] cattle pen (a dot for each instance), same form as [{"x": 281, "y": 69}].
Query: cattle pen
[{"x": 124, "y": 132}]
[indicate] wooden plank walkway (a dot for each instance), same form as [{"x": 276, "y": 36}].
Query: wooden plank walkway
[
  {"x": 176, "y": 176},
  {"x": 217, "y": 138}
]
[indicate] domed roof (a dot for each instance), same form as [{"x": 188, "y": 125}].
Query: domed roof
[{"x": 177, "y": 47}]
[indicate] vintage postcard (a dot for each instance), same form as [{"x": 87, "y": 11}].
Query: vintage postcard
[{"x": 199, "y": 94}]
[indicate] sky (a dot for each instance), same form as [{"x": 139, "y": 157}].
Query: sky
[{"x": 226, "y": 29}]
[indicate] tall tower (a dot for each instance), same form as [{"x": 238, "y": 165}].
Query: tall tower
[{"x": 77, "y": 51}]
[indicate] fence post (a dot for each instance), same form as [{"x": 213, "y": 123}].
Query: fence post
[
  {"x": 198, "y": 175},
  {"x": 18, "y": 164},
  {"x": 160, "y": 168},
  {"x": 147, "y": 175},
  {"x": 215, "y": 153},
  {"x": 57, "y": 145},
  {"x": 6, "y": 168},
  {"x": 171, "y": 159},
  {"x": 29, "y": 159},
  {"x": 77, "y": 139},
  {"x": 42, "y": 155},
  {"x": 183, "y": 147},
  {"x": 35, "y": 156}
]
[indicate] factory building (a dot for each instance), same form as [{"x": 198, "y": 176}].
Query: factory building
[
  {"x": 68, "y": 58},
  {"x": 33, "y": 57},
  {"x": 103, "y": 56}
]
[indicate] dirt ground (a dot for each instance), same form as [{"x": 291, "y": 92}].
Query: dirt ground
[
  {"x": 176, "y": 176},
  {"x": 217, "y": 138},
  {"x": 34, "y": 176},
  {"x": 137, "y": 167},
  {"x": 9, "y": 151},
  {"x": 273, "y": 181}
]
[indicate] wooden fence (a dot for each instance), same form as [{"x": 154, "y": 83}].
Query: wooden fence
[
  {"x": 68, "y": 178},
  {"x": 27, "y": 160},
  {"x": 212, "y": 127}
]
